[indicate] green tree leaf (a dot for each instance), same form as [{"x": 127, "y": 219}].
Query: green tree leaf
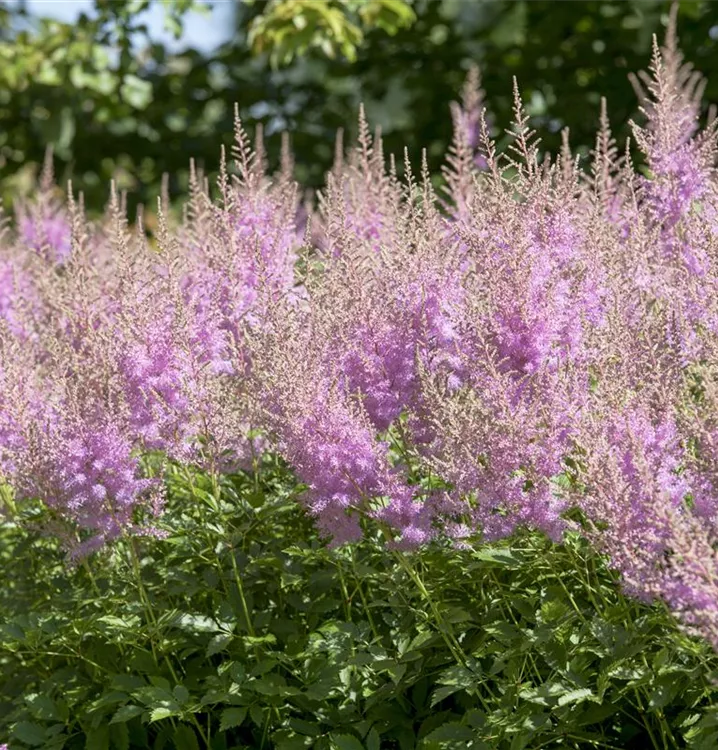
[{"x": 136, "y": 91}]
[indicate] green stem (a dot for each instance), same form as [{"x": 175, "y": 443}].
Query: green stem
[
  {"x": 147, "y": 606},
  {"x": 207, "y": 535},
  {"x": 569, "y": 595},
  {"x": 346, "y": 600},
  {"x": 442, "y": 626},
  {"x": 235, "y": 570},
  {"x": 364, "y": 602},
  {"x": 240, "y": 590},
  {"x": 153, "y": 620},
  {"x": 516, "y": 623},
  {"x": 596, "y": 743},
  {"x": 91, "y": 576},
  {"x": 265, "y": 731},
  {"x": 647, "y": 723},
  {"x": 665, "y": 728},
  {"x": 447, "y": 632},
  {"x": 584, "y": 580}
]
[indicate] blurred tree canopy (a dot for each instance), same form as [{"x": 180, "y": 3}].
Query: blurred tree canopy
[{"x": 115, "y": 103}]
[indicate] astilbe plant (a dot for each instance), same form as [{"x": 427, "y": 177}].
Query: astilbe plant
[
  {"x": 43, "y": 224},
  {"x": 536, "y": 348},
  {"x": 65, "y": 442},
  {"x": 17, "y": 294}
]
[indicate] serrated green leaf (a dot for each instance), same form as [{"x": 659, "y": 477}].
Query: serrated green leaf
[
  {"x": 161, "y": 712},
  {"x": 257, "y": 715},
  {"x": 475, "y": 718},
  {"x": 164, "y": 738},
  {"x": 198, "y": 623},
  {"x": 56, "y": 744},
  {"x": 111, "y": 698},
  {"x": 157, "y": 697},
  {"x": 127, "y": 682},
  {"x": 286, "y": 741},
  {"x": 29, "y": 733},
  {"x": 421, "y": 640},
  {"x": 504, "y": 632},
  {"x": 125, "y": 713},
  {"x": 502, "y": 556},
  {"x": 269, "y": 687},
  {"x": 595, "y": 714},
  {"x": 120, "y": 623},
  {"x": 346, "y": 742},
  {"x": 98, "y": 739},
  {"x": 232, "y": 717},
  {"x": 457, "y": 615},
  {"x": 444, "y": 692},
  {"x": 664, "y": 691},
  {"x": 450, "y": 732},
  {"x": 219, "y": 643},
  {"x": 310, "y": 728},
  {"x": 120, "y": 737},
  {"x": 13, "y": 631},
  {"x": 184, "y": 738},
  {"x": 545, "y": 695},
  {"x": 690, "y": 720},
  {"x": 457, "y": 675},
  {"x": 42, "y": 707},
  {"x": 576, "y": 696}
]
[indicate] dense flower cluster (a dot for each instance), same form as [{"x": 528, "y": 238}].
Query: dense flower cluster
[{"x": 540, "y": 339}]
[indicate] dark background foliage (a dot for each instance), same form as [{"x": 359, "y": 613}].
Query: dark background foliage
[{"x": 143, "y": 110}]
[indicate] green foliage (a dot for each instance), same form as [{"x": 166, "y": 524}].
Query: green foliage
[
  {"x": 240, "y": 629},
  {"x": 64, "y": 77},
  {"x": 288, "y": 28}
]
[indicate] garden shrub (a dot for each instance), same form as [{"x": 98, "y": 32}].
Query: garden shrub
[{"x": 526, "y": 360}]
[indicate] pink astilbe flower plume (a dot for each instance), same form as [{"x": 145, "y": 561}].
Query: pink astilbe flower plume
[
  {"x": 635, "y": 461},
  {"x": 359, "y": 204},
  {"x": 240, "y": 254},
  {"x": 70, "y": 447},
  {"x": 384, "y": 312},
  {"x": 19, "y": 298},
  {"x": 318, "y": 430},
  {"x": 498, "y": 445},
  {"x": 680, "y": 158},
  {"x": 321, "y": 427},
  {"x": 469, "y": 118},
  {"x": 43, "y": 225}
]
